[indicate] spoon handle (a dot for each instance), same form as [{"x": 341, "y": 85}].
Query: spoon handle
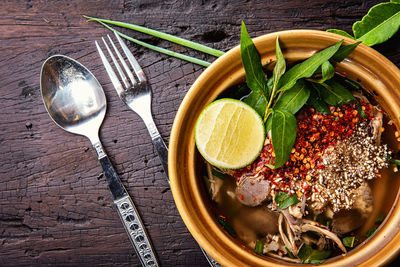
[{"x": 127, "y": 212}]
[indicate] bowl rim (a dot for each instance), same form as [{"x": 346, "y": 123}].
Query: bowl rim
[{"x": 381, "y": 256}]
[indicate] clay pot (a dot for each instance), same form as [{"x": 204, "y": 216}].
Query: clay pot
[{"x": 373, "y": 71}]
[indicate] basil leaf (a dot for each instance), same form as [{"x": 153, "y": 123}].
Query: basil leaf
[
  {"x": 285, "y": 200},
  {"x": 255, "y": 76},
  {"x": 344, "y": 51},
  {"x": 327, "y": 71},
  {"x": 283, "y": 133},
  {"x": 308, "y": 255},
  {"x": 340, "y": 32},
  {"x": 307, "y": 68},
  {"x": 349, "y": 241},
  {"x": 316, "y": 102},
  {"x": 294, "y": 99},
  {"x": 259, "y": 248},
  {"x": 381, "y": 23},
  {"x": 256, "y": 101},
  {"x": 280, "y": 65},
  {"x": 335, "y": 94}
]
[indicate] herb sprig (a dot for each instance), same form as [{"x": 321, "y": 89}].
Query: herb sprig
[
  {"x": 380, "y": 23},
  {"x": 280, "y": 97}
]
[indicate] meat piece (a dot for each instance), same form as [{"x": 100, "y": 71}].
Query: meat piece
[
  {"x": 252, "y": 191},
  {"x": 349, "y": 220}
]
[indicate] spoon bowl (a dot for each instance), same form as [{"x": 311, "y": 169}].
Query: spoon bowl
[{"x": 72, "y": 96}]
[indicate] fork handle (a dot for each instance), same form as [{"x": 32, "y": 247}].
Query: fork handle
[
  {"x": 162, "y": 152},
  {"x": 127, "y": 212},
  {"x": 158, "y": 143}
]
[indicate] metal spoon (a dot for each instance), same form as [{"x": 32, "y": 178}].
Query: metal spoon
[{"x": 76, "y": 102}]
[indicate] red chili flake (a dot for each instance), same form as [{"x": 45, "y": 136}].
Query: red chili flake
[{"x": 315, "y": 133}]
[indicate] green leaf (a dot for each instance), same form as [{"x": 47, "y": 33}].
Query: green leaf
[
  {"x": 285, "y": 200},
  {"x": 349, "y": 241},
  {"x": 333, "y": 93},
  {"x": 344, "y": 51},
  {"x": 316, "y": 102},
  {"x": 255, "y": 76},
  {"x": 327, "y": 72},
  {"x": 294, "y": 99},
  {"x": 308, "y": 255},
  {"x": 340, "y": 32},
  {"x": 256, "y": 101},
  {"x": 280, "y": 66},
  {"x": 307, "y": 68},
  {"x": 283, "y": 133},
  {"x": 162, "y": 35},
  {"x": 381, "y": 23},
  {"x": 395, "y": 1},
  {"x": 259, "y": 248}
]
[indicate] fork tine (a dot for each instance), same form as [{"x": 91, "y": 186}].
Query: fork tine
[
  {"x": 121, "y": 73},
  {"x": 126, "y": 68},
  {"x": 110, "y": 72},
  {"x": 132, "y": 60}
]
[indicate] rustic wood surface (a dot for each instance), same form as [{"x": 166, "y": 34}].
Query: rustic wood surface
[{"x": 55, "y": 207}]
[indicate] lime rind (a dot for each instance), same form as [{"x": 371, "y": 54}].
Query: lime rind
[{"x": 235, "y": 138}]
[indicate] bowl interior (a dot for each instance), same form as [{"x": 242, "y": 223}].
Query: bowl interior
[{"x": 373, "y": 71}]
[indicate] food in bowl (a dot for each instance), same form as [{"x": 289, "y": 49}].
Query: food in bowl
[{"x": 304, "y": 200}]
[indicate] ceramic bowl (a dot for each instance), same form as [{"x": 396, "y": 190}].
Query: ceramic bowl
[{"x": 372, "y": 70}]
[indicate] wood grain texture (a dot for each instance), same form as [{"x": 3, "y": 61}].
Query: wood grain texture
[{"x": 55, "y": 208}]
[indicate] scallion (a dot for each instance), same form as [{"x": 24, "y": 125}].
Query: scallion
[{"x": 159, "y": 49}]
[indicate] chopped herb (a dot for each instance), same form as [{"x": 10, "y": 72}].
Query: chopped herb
[
  {"x": 371, "y": 232},
  {"x": 328, "y": 224},
  {"x": 259, "y": 248},
  {"x": 395, "y": 161},
  {"x": 379, "y": 219},
  {"x": 308, "y": 255},
  {"x": 290, "y": 254},
  {"x": 226, "y": 226},
  {"x": 218, "y": 173},
  {"x": 349, "y": 241},
  {"x": 285, "y": 200}
]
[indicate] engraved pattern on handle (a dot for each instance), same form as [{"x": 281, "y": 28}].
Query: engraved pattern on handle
[{"x": 136, "y": 231}]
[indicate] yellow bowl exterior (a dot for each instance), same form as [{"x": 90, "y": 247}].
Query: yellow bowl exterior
[{"x": 374, "y": 71}]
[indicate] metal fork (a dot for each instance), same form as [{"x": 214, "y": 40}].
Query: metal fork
[{"x": 137, "y": 96}]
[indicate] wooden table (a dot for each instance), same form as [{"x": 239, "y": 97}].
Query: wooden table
[{"x": 55, "y": 207}]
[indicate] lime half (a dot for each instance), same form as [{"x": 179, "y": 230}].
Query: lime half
[{"x": 229, "y": 134}]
